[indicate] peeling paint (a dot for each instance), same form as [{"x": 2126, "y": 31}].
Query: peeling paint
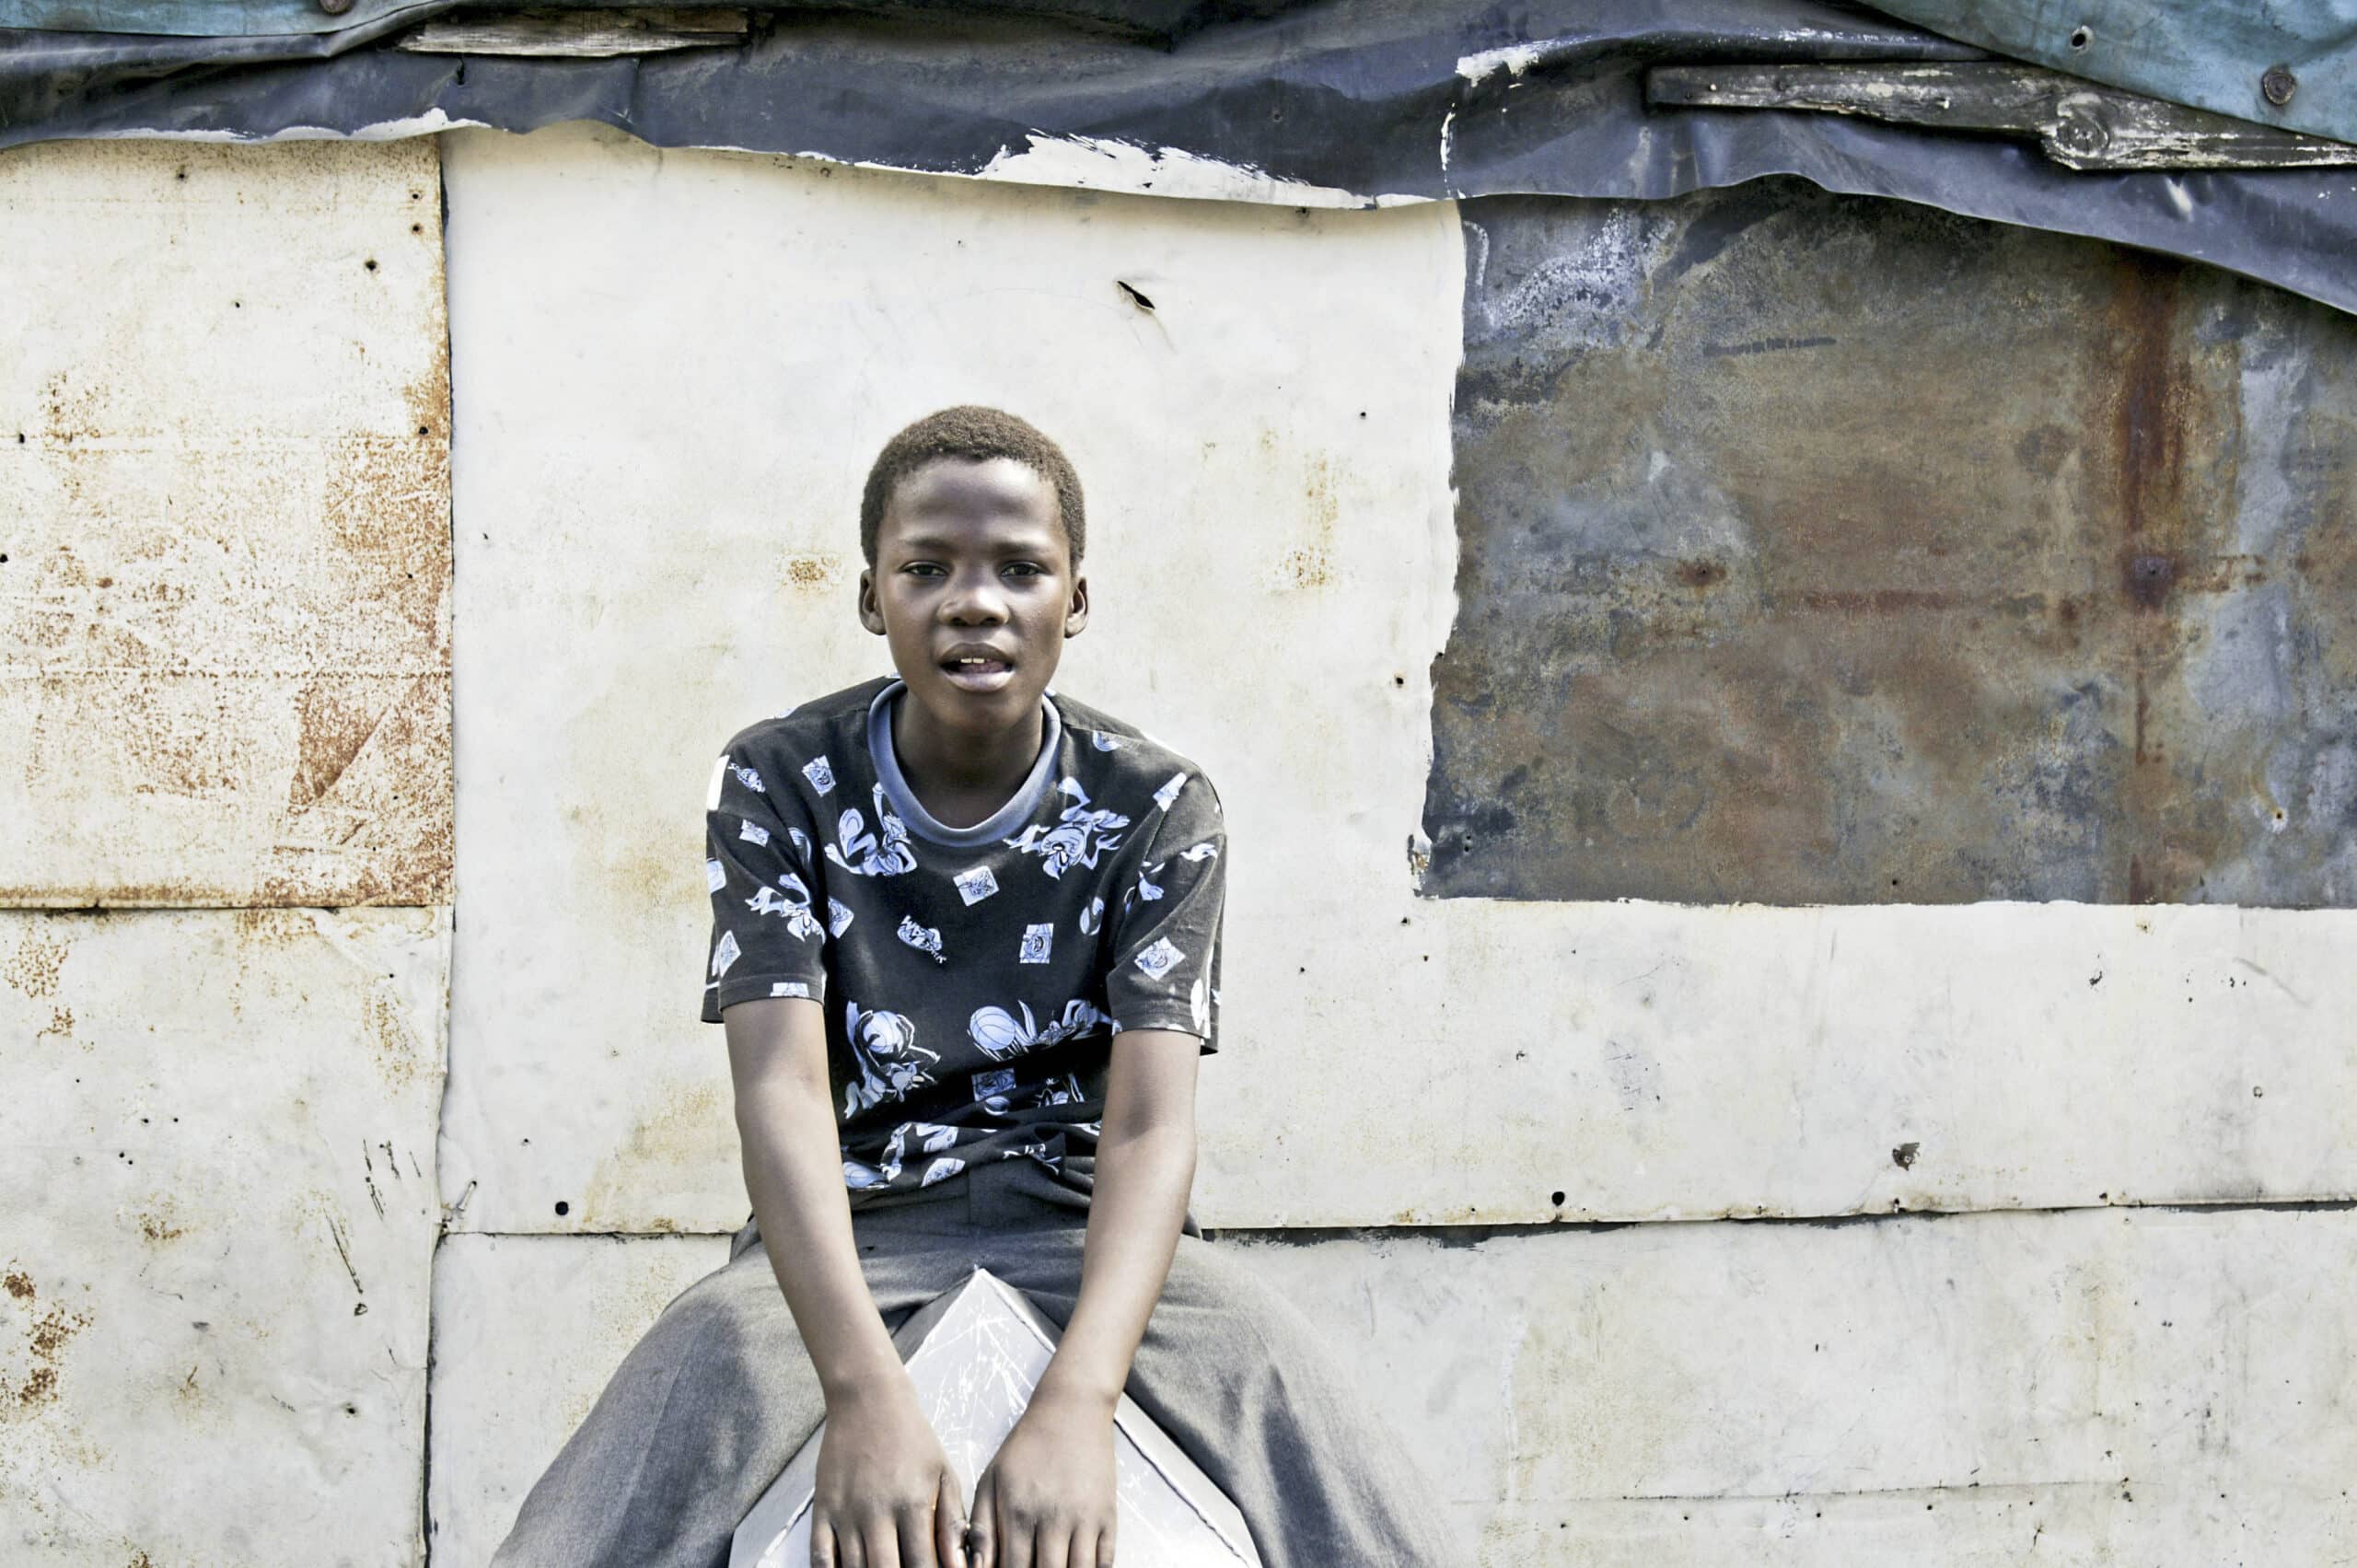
[{"x": 1097, "y": 163}]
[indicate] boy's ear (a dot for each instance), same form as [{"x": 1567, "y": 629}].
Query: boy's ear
[
  {"x": 871, "y": 614},
  {"x": 1077, "y": 612}
]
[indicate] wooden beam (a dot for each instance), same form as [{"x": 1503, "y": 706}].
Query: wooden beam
[
  {"x": 583, "y": 34},
  {"x": 2078, "y": 123}
]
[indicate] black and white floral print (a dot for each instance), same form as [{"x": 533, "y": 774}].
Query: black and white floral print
[
  {"x": 889, "y": 1062},
  {"x": 1079, "y": 836},
  {"x": 972, "y": 985},
  {"x": 884, "y": 852}
]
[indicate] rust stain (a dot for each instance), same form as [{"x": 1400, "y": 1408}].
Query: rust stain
[
  {"x": 18, "y": 1285},
  {"x": 811, "y": 570},
  {"x": 679, "y": 1134},
  {"x": 1312, "y": 565},
  {"x": 198, "y": 667},
  {"x": 388, "y": 508},
  {"x": 1972, "y": 601},
  {"x": 33, "y": 969},
  {"x": 274, "y": 927},
  {"x": 45, "y": 1339},
  {"x": 337, "y": 720},
  {"x": 160, "y": 1227},
  {"x": 392, "y": 1046}
]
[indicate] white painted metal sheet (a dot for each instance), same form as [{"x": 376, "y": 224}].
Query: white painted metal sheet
[
  {"x": 217, "y": 1173},
  {"x": 526, "y": 1330},
  {"x": 2163, "y": 1389},
  {"x": 656, "y": 496},
  {"x": 223, "y": 525},
  {"x": 2157, "y": 1387}
]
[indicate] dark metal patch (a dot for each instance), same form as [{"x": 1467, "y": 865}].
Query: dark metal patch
[{"x": 1816, "y": 548}]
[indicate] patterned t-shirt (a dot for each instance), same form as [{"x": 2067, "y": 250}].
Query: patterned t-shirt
[{"x": 972, "y": 978}]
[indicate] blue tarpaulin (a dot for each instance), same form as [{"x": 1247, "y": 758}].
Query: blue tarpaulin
[{"x": 2291, "y": 64}]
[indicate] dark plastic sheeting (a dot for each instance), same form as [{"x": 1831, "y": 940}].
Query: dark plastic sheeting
[{"x": 1363, "y": 97}]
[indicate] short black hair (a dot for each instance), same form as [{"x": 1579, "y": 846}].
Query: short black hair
[{"x": 974, "y": 434}]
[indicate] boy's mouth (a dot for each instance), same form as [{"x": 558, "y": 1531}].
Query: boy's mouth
[{"x": 978, "y": 671}]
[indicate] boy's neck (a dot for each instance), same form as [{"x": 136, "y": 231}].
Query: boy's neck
[{"x": 959, "y": 776}]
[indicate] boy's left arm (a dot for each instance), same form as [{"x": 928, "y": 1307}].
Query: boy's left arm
[{"x": 1047, "y": 1500}]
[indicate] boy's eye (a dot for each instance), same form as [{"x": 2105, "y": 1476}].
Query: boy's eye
[{"x": 1023, "y": 568}]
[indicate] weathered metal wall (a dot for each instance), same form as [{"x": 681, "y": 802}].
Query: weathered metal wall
[
  {"x": 639, "y": 598},
  {"x": 654, "y": 493},
  {"x": 217, "y": 1219},
  {"x": 2092, "y": 1389},
  {"x": 1823, "y": 550},
  {"x": 225, "y": 563},
  {"x": 224, "y": 681}
]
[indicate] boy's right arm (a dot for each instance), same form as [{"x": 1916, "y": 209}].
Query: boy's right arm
[{"x": 885, "y": 1496}]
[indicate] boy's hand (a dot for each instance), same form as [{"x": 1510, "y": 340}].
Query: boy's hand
[
  {"x": 1047, "y": 1500},
  {"x": 885, "y": 1496}
]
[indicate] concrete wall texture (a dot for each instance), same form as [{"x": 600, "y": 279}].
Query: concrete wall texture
[{"x": 1673, "y": 1234}]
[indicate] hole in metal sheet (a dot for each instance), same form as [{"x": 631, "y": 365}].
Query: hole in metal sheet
[
  {"x": 563, "y": 1207},
  {"x": 2082, "y": 37}
]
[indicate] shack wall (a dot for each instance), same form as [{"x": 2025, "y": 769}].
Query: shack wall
[{"x": 1877, "y": 1296}]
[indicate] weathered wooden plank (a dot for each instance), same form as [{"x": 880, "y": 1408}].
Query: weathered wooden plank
[
  {"x": 2077, "y": 122},
  {"x": 644, "y": 29},
  {"x": 2149, "y": 1389},
  {"x": 1389, "y": 1058},
  {"x": 216, "y": 1168},
  {"x": 225, "y": 557}
]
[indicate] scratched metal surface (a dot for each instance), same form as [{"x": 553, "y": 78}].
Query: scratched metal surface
[
  {"x": 225, "y": 549},
  {"x": 1820, "y": 550},
  {"x": 2150, "y": 1386},
  {"x": 218, "y": 1216}
]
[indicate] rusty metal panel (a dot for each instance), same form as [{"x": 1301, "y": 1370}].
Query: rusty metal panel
[
  {"x": 1821, "y": 550},
  {"x": 216, "y": 1174},
  {"x": 225, "y": 557},
  {"x": 526, "y": 1330}
]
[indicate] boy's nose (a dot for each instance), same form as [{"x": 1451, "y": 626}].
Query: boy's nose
[{"x": 974, "y": 604}]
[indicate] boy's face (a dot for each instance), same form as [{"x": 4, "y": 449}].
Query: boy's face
[{"x": 973, "y": 587}]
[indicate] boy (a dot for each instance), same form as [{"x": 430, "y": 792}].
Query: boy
[{"x": 965, "y": 950}]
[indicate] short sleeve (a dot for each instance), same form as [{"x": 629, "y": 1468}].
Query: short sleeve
[
  {"x": 1165, "y": 967},
  {"x": 770, "y": 911}
]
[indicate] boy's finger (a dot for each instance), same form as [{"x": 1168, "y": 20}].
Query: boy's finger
[
  {"x": 916, "y": 1547},
  {"x": 981, "y": 1530},
  {"x": 1104, "y": 1558},
  {"x": 949, "y": 1524},
  {"x": 881, "y": 1542},
  {"x": 822, "y": 1541}
]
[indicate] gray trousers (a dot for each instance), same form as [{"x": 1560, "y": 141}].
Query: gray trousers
[{"x": 707, "y": 1408}]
